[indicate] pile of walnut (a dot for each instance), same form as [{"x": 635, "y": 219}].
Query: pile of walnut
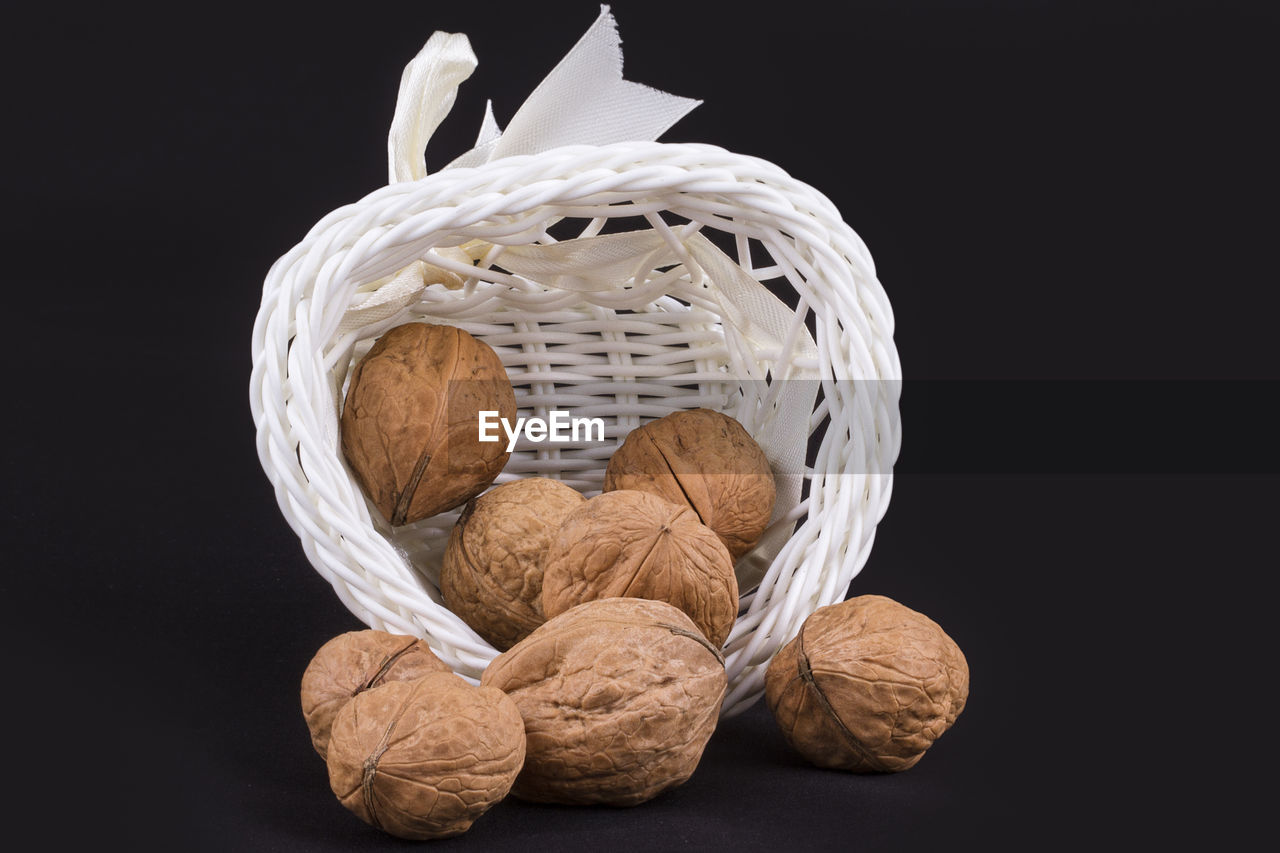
[{"x": 610, "y": 613}]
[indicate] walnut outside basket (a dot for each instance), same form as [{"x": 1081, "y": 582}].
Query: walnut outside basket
[{"x": 619, "y": 279}]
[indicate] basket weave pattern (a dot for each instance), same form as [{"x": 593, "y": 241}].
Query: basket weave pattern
[{"x": 626, "y": 355}]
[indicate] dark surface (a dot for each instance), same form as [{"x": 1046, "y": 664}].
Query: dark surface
[{"x": 1051, "y": 191}]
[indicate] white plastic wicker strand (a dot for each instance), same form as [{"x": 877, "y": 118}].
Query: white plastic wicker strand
[{"x": 568, "y": 349}]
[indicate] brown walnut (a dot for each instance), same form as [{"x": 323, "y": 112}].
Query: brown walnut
[
  {"x": 423, "y": 759},
  {"x": 636, "y": 545},
  {"x": 619, "y": 697},
  {"x": 706, "y": 460},
  {"x": 410, "y": 424},
  {"x": 354, "y": 662},
  {"x": 492, "y": 571},
  {"x": 867, "y": 685}
]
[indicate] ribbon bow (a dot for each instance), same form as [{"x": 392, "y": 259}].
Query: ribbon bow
[{"x": 584, "y": 100}]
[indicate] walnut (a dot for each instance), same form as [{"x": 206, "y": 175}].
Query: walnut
[
  {"x": 352, "y": 663},
  {"x": 410, "y": 424},
  {"x": 423, "y": 759},
  {"x": 633, "y": 544},
  {"x": 492, "y": 571},
  {"x": 706, "y": 460},
  {"x": 619, "y": 698},
  {"x": 867, "y": 685}
]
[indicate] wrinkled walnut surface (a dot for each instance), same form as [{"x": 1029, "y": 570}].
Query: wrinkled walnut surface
[
  {"x": 423, "y": 759},
  {"x": 706, "y": 460},
  {"x": 352, "y": 663},
  {"x": 867, "y": 685},
  {"x": 619, "y": 697},
  {"x": 633, "y": 544},
  {"x": 492, "y": 571},
  {"x": 410, "y": 423}
]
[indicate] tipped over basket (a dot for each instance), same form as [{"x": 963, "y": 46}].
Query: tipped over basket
[{"x": 620, "y": 281}]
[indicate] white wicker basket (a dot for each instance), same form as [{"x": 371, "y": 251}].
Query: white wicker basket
[{"x": 625, "y": 343}]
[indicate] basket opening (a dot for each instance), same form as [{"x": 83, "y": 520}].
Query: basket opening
[{"x": 670, "y": 337}]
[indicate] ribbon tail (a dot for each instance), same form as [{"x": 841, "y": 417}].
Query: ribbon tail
[
  {"x": 428, "y": 88},
  {"x": 489, "y": 130},
  {"x": 486, "y": 142},
  {"x": 585, "y": 101}
]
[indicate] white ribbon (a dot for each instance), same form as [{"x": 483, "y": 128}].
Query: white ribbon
[
  {"x": 428, "y": 88},
  {"x": 584, "y": 100}
]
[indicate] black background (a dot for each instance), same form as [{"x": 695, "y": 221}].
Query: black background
[{"x": 1071, "y": 206}]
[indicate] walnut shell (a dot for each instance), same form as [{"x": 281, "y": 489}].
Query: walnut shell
[
  {"x": 492, "y": 570},
  {"x": 353, "y": 662},
  {"x": 423, "y": 759},
  {"x": 867, "y": 685},
  {"x": 410, "y": 423},
  {"x": 619, "y": 698},
  {"x": 633, "y": 544},
  {"x": 706, "y": 460}
]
